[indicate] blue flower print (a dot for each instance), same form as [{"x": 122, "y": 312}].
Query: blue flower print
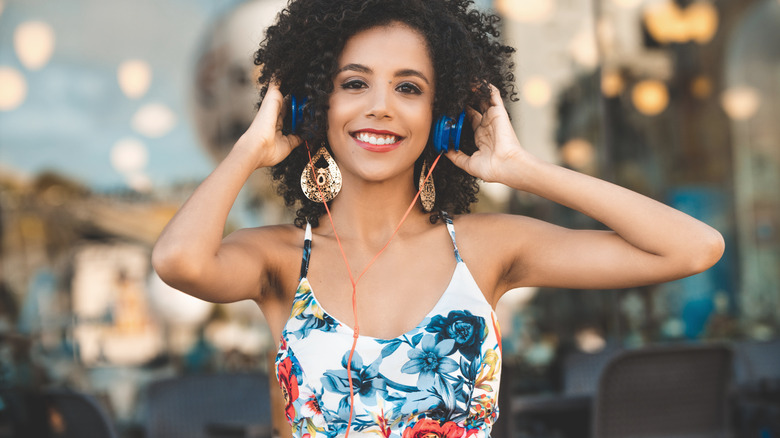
[
  {"x": 430, "y": 361},
  {"x": 366, "y": 382},
  {"x": 465, "y": 329}
]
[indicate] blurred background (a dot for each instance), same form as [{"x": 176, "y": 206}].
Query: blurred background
[{"x": 112, "y": 111}]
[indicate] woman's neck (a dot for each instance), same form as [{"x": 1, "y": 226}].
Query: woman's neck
[{"x": 371, "y": 211}]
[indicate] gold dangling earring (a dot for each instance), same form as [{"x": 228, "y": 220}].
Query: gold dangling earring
[
  {"x": 327, "y": 178},
  {"x": 427, "y": 190}
]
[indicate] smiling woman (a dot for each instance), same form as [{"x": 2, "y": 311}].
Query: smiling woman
[{"x": 401, "y": 338}]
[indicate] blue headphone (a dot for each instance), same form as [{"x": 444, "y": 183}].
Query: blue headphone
[{"x": 446, "y": 131}]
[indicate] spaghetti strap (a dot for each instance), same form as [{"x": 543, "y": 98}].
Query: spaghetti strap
[
  {"x": 451, "y": 229},
  {"x": 306, "y": 251}
]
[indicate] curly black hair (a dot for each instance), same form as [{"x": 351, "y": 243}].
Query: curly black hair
[{"x": 301, "y": 51}]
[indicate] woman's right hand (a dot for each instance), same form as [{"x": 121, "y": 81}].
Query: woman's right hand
[{"x": 264, "y": 140}]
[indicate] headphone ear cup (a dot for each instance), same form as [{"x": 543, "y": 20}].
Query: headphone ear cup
[
  {"x": 296, "y": 107},
  {"x": 447, "y": 132}
]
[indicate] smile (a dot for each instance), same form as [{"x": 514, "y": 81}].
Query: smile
[{"x": 376, "y": 141}]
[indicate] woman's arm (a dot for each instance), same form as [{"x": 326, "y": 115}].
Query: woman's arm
[
  {"x": 191, "y": 254},
  {"x": 649, "y": 242}
]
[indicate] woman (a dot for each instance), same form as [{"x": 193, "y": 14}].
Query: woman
[{"x": 401, "y": 339}]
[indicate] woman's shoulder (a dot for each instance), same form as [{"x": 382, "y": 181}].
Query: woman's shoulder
[
  {"x": 271, "y": 240},
  {"x": 494, "y": 235},
  {"x": 486, "y": 224}
]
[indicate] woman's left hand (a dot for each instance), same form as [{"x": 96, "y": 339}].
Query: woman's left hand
[{"x": 497, "y": 143}]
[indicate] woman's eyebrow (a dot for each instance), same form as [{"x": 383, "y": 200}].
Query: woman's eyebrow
[{"x": 360, "y": 68}]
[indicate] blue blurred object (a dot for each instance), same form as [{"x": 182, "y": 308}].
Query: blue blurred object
[{"x": 698, "y": 292}]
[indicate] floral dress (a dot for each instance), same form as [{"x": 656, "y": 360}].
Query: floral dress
[{"x": 439, "y": 379}]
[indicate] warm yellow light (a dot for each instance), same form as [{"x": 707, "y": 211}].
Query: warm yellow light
[
  {"x": 578, "y": 153},
  {"x": 536, "y": 91},
  {"x": 612, "y": 83},
  {"x": 650, "y": 97},
  {"x": 741, "y": 102},
  {"x": 668, "y": 23},
  {"x": 701, "y": 87},
  {"x": 154, "y": 120},
  {"x": 13, "y": 88},
  {"x": 583, "y": 49},
  {"x": 702, "y": 21},
  {"x": 628, "y": 4},
  {"x": 2, "y": 5},
  {"x": 134, "y": 77},
  {"x": 665, "y": 22},
  {"x": 526, "y": 11},
  {"x": 34, "y": 43}
]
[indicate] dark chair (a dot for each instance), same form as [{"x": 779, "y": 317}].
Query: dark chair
[
  {"x": 757, "y": 388},
  {"x": 73, "y": 414},
  {"x": 757, "y": 364},
  {"x": 669, "y": 392},
  {"x": 209, "y": 406},
  {"x": 566, "y": 414}
]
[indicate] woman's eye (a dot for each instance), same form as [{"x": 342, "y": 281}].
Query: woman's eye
[
  {"x": 353, "y": 84},
  {"x": 408, "y": 87}
]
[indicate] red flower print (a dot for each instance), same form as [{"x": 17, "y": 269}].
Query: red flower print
[
  {"x": 428, "y": 428},
  {"x": 289, "y": 384}
]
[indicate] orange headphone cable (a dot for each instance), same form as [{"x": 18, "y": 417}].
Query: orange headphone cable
[{"x": 356, "y": 329}]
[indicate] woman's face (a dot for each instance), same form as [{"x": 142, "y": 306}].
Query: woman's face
[{"x": 381, "y": 107}]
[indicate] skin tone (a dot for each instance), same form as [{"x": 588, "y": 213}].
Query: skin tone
[{"x": 385, "y": 88}]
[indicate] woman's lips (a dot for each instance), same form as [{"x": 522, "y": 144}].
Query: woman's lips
[{"x": 377, "y": 141}]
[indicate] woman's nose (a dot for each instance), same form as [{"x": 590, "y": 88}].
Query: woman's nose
[{"x": 380, "y": 105}]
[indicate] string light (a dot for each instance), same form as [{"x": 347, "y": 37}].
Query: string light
[
  {"x": 129, "y": 155},
  {"x": 612, "y": 83},
  {"x": 154, "y": 120},
  {"x": 740, "y": 102},
  {"x": 134, "y": 77},
  {"x": 578, "y": 153},
  {"x": 526, "y": 11},
  {"x": 13, "y": 88},
  {"x": 668, "y": 23},
  {"x": 536, "y": 91},
  {"x": 650, "y": 97},
  {"x": 701, "y": 87},
  {"x": 34, "y": 43}
]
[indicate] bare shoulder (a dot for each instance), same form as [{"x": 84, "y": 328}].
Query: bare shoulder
[
  {"x": 491, "y": 244},
  {"x": 275, "y": 249},
  {"x": 484, "y": 228}
]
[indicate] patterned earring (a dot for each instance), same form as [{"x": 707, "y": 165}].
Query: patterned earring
[
  {"x": 427, "y": 190},
  {"x": 327, "y": 178}
]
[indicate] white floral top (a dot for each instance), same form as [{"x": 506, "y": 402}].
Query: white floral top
[{"x": 440, "y": 379}]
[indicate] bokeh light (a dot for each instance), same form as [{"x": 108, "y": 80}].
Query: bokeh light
[
  {"x": 13, "y": 88},
  {"x": 668, "y": 23},
  {"x": 702, "y": 21},
  {"x": 526, "y": 11},
  {"x": 578, "y": 153},
  {"x": 612, "y": 83},
  {"x": 129, "y": 155},
  {"x": 701, "y": 87},
  {"x": 34, "y": 43},
  {"x": 139, "y": 181},
  {"x": 650, "y": 97},
  {"x": 134, "y": 77},
  {"x": 537, "y": 91},
  {"x": 582, "y": 49},
  {"x": 741, "y": 102},
  {"x": 154, "y": 120},
  {"x": 628, "y": 4}
]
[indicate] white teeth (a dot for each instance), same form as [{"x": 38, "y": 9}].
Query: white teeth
[{"x": 375, "y": 140}]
